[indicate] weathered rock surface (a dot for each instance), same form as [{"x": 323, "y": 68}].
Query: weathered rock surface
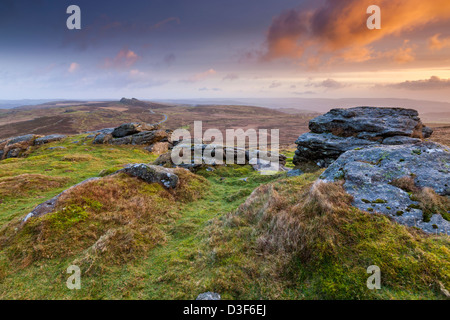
[
  {"x": 127, "y": 129},
  {"x": 340, "y": 130},
  {"x": 16, "y": 146},
  {"x": 48, "y": 139},
  {"x": 208, "y": 296},
  {"x": 370, "y": 171},
  {"x": 397, "y": 140},
  {"x": 326, "y": 147},
  {"x": 25, "y": 138},
  {"x": 214, "y": 154},
  {"x": 294, "y": 173},
  {"x": 133, "y": 133},
  {"x": 158, "y": 147},
  {"x": 152, "y": 174}
]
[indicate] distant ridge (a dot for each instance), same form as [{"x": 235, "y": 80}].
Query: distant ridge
[{"x": 322, "y": 104}]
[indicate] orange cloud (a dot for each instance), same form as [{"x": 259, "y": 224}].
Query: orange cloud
[
  {"x": 124, "y": 59},
  {"x": 401, "y": 55},
  {"x": 73, "y": 67},
  {"x": 200, "y": 76},
  {"x": 434, "y": 43},
  {"x": 338, "y": 28}
]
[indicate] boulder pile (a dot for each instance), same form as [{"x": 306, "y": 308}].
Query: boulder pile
[
  {"x": 259, "y": 161},
  {"x": 135, "y": 134},
  {"x": 17, "y": 146},
  {"x": 340, "y": 130}
]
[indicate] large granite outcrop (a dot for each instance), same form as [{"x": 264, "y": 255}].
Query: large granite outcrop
[
  {"x": 370, "y": 175},
  {"x": 340, "y": 130}
]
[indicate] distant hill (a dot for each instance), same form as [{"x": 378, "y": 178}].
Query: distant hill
[
  {"x": 324, "y": 105},
  {"x": 8, "y": 104}
]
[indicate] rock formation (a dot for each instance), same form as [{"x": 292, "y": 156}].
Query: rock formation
[
  {"x": 371, "y": 176},
  {"x": 151, "y": 174},
  {"x": 17, "y": 146},
  {"x": 208, "y": 296},
  {"x": 135, "y": 134},
  {"x": 259, "y": 161},
  {"x": 340, "y": 130}
]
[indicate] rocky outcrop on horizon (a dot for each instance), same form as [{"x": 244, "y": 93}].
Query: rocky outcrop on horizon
[{"x": 340, "y": 130}]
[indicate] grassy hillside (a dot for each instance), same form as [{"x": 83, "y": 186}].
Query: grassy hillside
[{"x": 230, "y": 230}]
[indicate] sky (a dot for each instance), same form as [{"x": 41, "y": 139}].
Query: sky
[{"x": 182, "y": 49}]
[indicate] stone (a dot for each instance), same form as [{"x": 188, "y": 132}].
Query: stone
[
  {"x": 325, "y": 147},
  {"x": 49, "y": 205},
  {"x": 48, "y": 139},
  {"x": 259, "y": 161},
  {"x": 267, "y": 167},
  {"x": 25, "y": 138},
  {"x": 58, "y": 147},
  {"x": 384, "y": 122},
  {"x": 368, "y": 175},
  {"x": 208, "y": 296},
  {"x": 149, "y": 137},
  {"x": 152, "y": 174},
  {"x": 127, "y": 129},
  {"x": 121, "y": 141},
  {"x": 158, "y": 148},
  {"x": 102, "y": 138},
  {"x": 427, "y": 132},
  {"x": 397, "y": 140},
  {"x": 294, "y": 173},
  {"x": 341, "y": 130},
  {"x": 13, "y": 153}
]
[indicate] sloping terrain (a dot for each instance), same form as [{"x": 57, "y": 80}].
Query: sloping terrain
[
  {"x": 225, "y": 229},
  {"x": 70, "y": 118},
  {"x": 229, "y": 230}
]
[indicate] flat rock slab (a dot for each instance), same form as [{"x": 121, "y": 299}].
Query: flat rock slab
[
  {"x": 340, "y": 130},
  {"x": 369, "y": 172},
  {"x": 385, "y": 122}
]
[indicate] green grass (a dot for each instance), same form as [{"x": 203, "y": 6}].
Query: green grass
[
  {"x": 46, "y": 278},
  {"x": 56, "y": 163},
  {"x": 218, "y": 234}
]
